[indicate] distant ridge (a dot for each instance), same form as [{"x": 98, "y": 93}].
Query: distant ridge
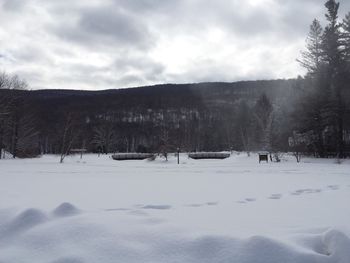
[{"x": 162, "y": 88}]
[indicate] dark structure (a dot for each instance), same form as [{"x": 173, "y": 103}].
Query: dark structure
[
  {"x": 132, "y": 156},
  {"x": 208, "y": 155},
  {"x": 263, "y": 157}
]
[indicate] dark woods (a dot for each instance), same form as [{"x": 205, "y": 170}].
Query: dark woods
[
  {"x": 193, "y": 117},
  {"x": 308, "y": 115},
  {"x": 18, "y": 132},
  {"x": 322, "y": 121}
]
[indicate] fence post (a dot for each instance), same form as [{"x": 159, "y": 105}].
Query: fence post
[{"x": 178, "y": 155}]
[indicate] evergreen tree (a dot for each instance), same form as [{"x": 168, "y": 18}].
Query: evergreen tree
[
  {"x": 346, "y": 39},
  {"x": 264, "y": 114},
  {"x": 335, "y": 68},
  {"x": 243, "y": 120},
  {"x": 312, "y": 57},
  {"x": 346, "y": 75},
  {"x": 331, "y": 40},
  {"x": 323, "y": 102}
]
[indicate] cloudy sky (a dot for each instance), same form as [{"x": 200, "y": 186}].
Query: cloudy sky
[{"x": 102, "y": 44}]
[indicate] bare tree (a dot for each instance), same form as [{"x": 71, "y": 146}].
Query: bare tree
[
  {"x": 296, "y": 145},
  {"x": 105, "y": 137},
  {"x": 5, "y": 102},
  {"x": 69, "y": 135},
  {"x": 12, "y": 116},
  {"x": 4, "y": 112},
  {"x": 165, "y": 145},
  {"x": 26, "y": 137},
  {"x": 245, "y": 141}
]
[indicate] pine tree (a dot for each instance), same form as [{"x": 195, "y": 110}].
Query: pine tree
[
  {"x": 264, "y": 115},
  {"x": 325, "y": 59},
  {"x": 312, "y": 57},
  {"x": 331, "y": 40},
  {"x": 335, "y": 67},
  {"x": 346, "y": 39},
  {"x": 346, "y": 74}
]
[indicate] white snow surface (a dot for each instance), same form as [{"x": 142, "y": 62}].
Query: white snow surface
[{"x": 201, "y": 211}]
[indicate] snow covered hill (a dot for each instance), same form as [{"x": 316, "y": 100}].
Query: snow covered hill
[{"x": 234, "y": 210}]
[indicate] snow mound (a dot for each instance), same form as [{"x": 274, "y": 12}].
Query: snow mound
[
  {"x": 23, "y": 221},
  {"x": 29, "y": 218},
  {"x": 337, "y": 246},
  {"x": 104, "y": 237},
  {"x": 256, "y": 249},
  {"x": 331, "y": 244},
  {"x": 260, "y": 249},
  {"x": 65, "y": 209},
  {"x": 68, "y": 260}
]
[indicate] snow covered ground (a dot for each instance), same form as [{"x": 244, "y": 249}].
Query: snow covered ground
[{"x": 234, "y": 210}]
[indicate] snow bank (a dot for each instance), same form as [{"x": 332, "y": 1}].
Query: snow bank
[
  {"x": 32, "y": 236},
  {"x": 217, "y": 211}
]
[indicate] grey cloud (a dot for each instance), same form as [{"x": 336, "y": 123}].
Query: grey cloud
[
  {"x": 286, "y": 20},
  {"x": 130, "y": 80},
  {"x": 31, "y": 54},
  {"x": 216, "y": 74},
  {"x": 296, "y": 16},
  {"x": 252, "y": 23},
  {"x": 149, "y": 5},
  {"x": 203, "y": 70},
  {"x": 82, "y": 70},
  {"x": 298, "y": 12},
  {"x": 30, "y": 75},
  {"x": 125, "y": 40},
  {"x": 210, "y": 70},
  {"x": 186, "y": 17},
  {"x": 279, "y": 19},
  {"x": 120, "y": 74},
  {"x": 144, "y": 64},
  {"x": 82, "y": 77},
  {"x": 106, "y": 26},
  {"x": 118, "y": 25},
  {"x": 189, "y": 16},
  {"x": 14, "y": 5},
  {"x": 155, "y": 73}
]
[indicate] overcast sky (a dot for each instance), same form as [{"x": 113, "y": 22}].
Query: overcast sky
[{"x": 102, "y": 44}]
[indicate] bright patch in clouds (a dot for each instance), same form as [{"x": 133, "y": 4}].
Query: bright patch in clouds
[{"x": 119, "y": 43}]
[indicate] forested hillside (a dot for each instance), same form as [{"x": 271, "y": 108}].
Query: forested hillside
[{"x": 205, "y": 116}]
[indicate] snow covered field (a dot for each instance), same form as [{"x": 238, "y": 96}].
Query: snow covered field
[{"x": 227, "y": 211}]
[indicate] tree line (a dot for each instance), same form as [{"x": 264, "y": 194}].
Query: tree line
[{"x": 162, "y": 118}]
